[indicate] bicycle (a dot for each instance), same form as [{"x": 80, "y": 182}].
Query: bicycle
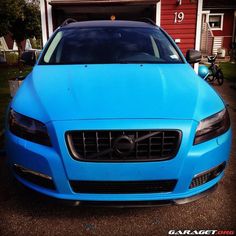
[{"x": 215, "y": 72}]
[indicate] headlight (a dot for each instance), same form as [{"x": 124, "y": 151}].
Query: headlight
[
  {"x": 212, "y": 126},
  {"x": 28, "y": 128}
]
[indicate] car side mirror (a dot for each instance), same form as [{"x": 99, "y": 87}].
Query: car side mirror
[
  {"x": 28, "y": 58},
  {"x": 193, "y": 56}
]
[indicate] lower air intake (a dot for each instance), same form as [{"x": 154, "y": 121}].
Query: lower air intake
[{"x": 125, "y": 187}]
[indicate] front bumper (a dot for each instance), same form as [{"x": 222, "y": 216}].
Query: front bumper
[{"x": 57, "y": 163}]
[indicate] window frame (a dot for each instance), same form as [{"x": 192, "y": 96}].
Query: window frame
[{"x": 221, "y": 22}]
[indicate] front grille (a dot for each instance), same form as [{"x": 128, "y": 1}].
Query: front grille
[
  {"x": 207, "y": 176},
  {"x": 127, "y": 145},
  {"x": 123, "y": 187}
]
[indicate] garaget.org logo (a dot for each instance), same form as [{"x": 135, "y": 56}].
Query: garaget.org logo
[{"x": 201, "y": 232}]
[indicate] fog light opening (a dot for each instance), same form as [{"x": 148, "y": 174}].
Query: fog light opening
[
  {"x": 34, "y": 177},
  {"x": 207, "y": 176}
]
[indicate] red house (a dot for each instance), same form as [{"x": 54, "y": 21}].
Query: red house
[
  {"x": 218, "y": 25},
  {"x": 11, "y": 45},
  {"x": 191, "y": 23}
]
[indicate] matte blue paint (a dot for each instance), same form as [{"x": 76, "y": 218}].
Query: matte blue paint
[
  {"x": 169, "y": 91},
  {"x": 117, "y": 96},
  {"x": 190, "y": 161}
]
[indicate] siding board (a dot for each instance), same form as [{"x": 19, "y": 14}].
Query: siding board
[{"x": 185, "y": 30}]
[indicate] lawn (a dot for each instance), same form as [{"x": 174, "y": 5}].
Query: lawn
[
  {"x": 229, "y": 70},
  {"x": 6, "y": 73}
]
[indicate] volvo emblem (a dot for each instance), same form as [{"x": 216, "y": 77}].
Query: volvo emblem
[{"x": 124, "y": 145}]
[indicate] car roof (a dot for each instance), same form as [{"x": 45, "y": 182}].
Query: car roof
[{"x": 109, "y": 23}]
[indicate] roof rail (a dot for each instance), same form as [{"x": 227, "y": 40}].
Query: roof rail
[
  {"x": 68, "y": 21},
  {"x": 147, "y": 20}
]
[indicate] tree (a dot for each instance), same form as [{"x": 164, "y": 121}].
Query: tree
[{"x": 21, "y": 19}]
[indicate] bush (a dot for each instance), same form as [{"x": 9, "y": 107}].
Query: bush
[
  {"x": 229, "y": 70},
  {"x": 36, "y": 43},
  {"x": 11, "y": 58}
]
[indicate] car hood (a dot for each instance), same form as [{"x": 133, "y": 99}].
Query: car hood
[{"x": 116, "y": 91}]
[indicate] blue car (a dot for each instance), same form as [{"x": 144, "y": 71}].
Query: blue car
[{"x": 114, "y": 114}]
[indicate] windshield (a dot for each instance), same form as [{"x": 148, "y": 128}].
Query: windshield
[{"x": 107, "y": 45}]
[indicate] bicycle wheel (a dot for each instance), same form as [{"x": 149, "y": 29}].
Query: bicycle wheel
[
  {"x": 220, "y": 77},
  {"x": 210, "y": 78}
]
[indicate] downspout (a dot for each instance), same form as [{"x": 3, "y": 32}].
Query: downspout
[{"x": 198, "y": 30}]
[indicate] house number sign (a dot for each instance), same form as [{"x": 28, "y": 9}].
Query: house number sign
[{"x": 179, "y": 17}]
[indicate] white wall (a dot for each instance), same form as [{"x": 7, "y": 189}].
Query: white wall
[{"x": 158, "y": 13}]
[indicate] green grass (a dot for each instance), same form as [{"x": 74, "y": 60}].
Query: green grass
[
  {"x": 229, "y": 71},
  {"x": 6, "y": 73}
]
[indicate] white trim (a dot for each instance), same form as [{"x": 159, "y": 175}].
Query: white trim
[
  {"x": 158, "y": 13},
  {"x": 43, "y": 22},
  {"x": 221, "y": 22},
  {"x": 198, "y": 30},
  {"x": 50, "y": 26},
  {"x": 198, "y": 25},
  {"x": 14, "y": 47},
  {"x": 207, "y": 15},
  {"x": 205, "y": 12},
  {"x": 4, "y": 44}
]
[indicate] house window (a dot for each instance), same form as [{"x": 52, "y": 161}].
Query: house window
[{"x": 216, "y": 21}]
